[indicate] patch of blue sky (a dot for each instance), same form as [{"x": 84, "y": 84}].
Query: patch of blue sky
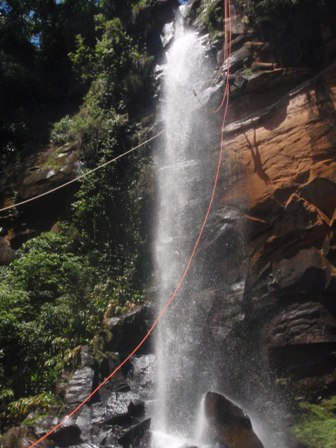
[
  {"x": 5, "y": 7},
  {"x": 36, "y": 40}
]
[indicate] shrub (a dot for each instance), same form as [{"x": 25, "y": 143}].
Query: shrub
[
  {"x": 211, "y": 15},
  {"x": 317, "y": 428},
  {"x": 60, "y": 131}
]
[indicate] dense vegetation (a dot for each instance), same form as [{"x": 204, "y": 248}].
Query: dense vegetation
[
  {"x": 56, "y": 55},
  {"x": 263, "y": 11},
  {"x": 37, "y": 80}
]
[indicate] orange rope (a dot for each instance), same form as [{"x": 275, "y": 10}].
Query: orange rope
[
  {"x": 185, "y": 271},
  {"x": 227, "y": 51}
]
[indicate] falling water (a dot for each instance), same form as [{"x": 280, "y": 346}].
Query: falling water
[{"x": 183, "y": 165}]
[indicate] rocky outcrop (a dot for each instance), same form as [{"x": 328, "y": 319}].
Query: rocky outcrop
[
  {"x": 35, "y": 175},
  {"x": 283, "y": 181},
  {"x": 150, "y": 22},
  {"x": 301, "y": 345}
]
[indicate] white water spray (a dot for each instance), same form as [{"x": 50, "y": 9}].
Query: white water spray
[{"x": 182, "y": 168}]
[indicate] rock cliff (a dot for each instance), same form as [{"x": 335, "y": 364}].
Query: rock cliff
[
  {"x": 272, "y": 241},
  {"x": 280, "y": 175}
]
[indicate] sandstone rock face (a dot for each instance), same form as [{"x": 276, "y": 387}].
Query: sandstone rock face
[
  {"x": 231, "y": 425},
  {"x": 281, "y": 169},
  {"x": 273, "y": 314}
]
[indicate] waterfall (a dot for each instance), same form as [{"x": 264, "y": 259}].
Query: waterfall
[{"x": 183, "y": 167}]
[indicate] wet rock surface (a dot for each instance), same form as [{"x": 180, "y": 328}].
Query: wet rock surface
[
  {"x": 115, "y": 418},
  {"x": 232, "y": 426},
  {"x": 271, "y": 309},
  {"x": 128, "y": 329},
  {"x": 272, "y": 243}
]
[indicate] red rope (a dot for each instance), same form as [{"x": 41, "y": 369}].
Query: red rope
[
  {"x": 227, "y": 56},
  {"x": 227, "y": 51},
  {"x": 186, "y": 269}
]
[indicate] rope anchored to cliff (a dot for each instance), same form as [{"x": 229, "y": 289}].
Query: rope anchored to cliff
[{"x": 186, "y": 268}]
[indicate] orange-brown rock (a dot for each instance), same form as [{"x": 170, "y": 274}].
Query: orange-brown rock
[
  {"x": 281, "y": 175},
  {"x": 283, "y": 167}
]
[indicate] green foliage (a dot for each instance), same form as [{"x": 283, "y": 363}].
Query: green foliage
[
  {"x": 35, "y": 71},
  {"x": 116, "y": 69},
  {"x": 20, "y": 408},
  {"x": 138, "y": 6},
  {"x": 317, "y": 428},
  {"x": 110, "y": 65},
  {"x": 52, "y": 300},
  {"x": 54, "y": 295},
  {"x": 60, "y": 131},
  {"x": 83, "y": 59},
  {"x": 47, "y": 309},
  {"x": 263, "y": 11},
  {"x": 247, "y": 71},
  {"x": 211, "y": 15}
]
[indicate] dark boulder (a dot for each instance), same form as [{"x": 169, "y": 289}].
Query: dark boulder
[
  {"x": 301, "y": 347},
  {"x": 232, "y": 427},
  {"x": 128, "y": 329},
  {"x": 67, "y": 435},
  {"x": 120, "y": 417},
  {"x": 308, "y": 269},
  {"x": 136, "y": 408}
]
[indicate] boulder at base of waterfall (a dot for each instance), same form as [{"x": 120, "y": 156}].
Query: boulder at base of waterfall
[{"x": 230, "y": 425}]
